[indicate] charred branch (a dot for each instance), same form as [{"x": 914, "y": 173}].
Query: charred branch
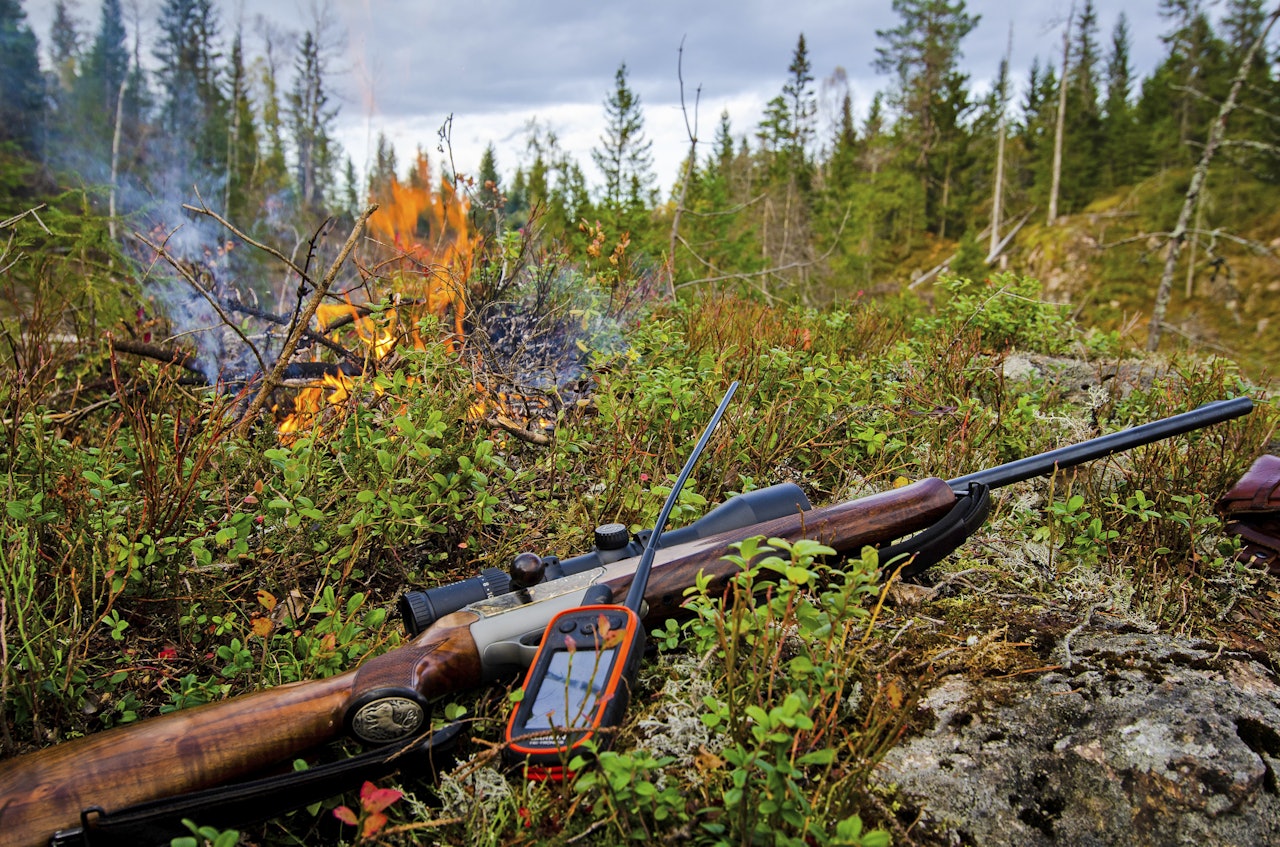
[
  {"x": 308, "y": 334},
  {"x": 307, "y": 371},
  {"x": 272, "y": 379},
  {"x": 168, "y": 355}
]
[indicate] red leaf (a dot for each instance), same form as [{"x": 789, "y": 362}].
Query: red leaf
[
  {"x": 374, "y": 799},
  {"x": 345, "y": 815}
]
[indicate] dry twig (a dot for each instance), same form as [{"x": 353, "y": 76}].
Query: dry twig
[{"x": 272, "y": 379}]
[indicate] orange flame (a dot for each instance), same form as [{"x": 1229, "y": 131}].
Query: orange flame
[{"x": 431, "y": 231}]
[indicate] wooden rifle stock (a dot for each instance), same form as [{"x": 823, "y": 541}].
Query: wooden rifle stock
[
  {"x": 209, "y": 745},
  {"x": 45, "y": 791}
]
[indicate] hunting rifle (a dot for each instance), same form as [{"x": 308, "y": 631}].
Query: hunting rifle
[{"x": 128, "y": 785}]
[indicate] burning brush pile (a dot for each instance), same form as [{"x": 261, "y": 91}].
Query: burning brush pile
[{"x": 419, "y": 275}]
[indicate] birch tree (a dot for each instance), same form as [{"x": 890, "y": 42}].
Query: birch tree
[{"x": 1217, "y": 132}]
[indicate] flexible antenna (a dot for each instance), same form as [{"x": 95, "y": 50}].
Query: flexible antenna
[{"x": 635, "y": 597}]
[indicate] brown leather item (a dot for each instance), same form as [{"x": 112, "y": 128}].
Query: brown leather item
[{"x": 1252, "y": 510}]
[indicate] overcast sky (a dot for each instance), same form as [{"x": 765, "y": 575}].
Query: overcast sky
[{"x": 496, "y": 64}]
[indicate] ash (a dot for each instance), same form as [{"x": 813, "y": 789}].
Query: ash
[{"x": 539, "y": 349}]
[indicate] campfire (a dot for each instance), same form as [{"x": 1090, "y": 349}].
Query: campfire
[{"x": 419, "y": 258}]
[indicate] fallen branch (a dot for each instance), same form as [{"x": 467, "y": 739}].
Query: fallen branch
[
  {"x": 168, "y": 355},
  {"x": 186, "y": 274},
  {"x": 519, "y": 432},
  {"x": 310, "y": 335},
  {"x": 272, "y": 379}
]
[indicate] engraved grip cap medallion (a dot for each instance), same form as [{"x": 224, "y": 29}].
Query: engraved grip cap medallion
[{"x": 386, "y": 715}]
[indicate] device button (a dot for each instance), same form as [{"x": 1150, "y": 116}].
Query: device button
[{"x": 567, "y": 626}]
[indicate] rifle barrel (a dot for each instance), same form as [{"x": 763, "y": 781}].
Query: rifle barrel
[{"x": 1096, "y": 448}]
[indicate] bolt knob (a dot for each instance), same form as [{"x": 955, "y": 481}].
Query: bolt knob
[{"x": 527, "y": 569}]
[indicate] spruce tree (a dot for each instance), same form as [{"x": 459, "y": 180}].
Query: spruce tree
[
  {"x": 802, "y": 103},
  {"x": 624, "y": 156},
  {"x": 384, "y": 167},
  {"x": 242, "y": 189},
  {"x": 1083, "y": 144},
  {"x": 486, "y": 213},
  {"x": 1181, "y": 96},
  {"x": 1121, "y": 155},
  {"x": 84, "y": 125},
  {"x": 923, "y": 52},
  {"x": 271, "y": 171},
  {"x": 64, "y": 46},
  {"x": 193, "y": 112},
  {"x": 311, "y": 120},
  {"x": 21, "y": 84}
]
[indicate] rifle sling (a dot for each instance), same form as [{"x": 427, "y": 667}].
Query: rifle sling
[
  {"x": 928, "y": 547},
  {"x": 159, "y": 821}
]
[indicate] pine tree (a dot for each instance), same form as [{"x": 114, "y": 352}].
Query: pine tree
[
  {"x": 624, "y": 156},
  {"x": 923, "y": 51},
  {"x": 21, "y": 84}
]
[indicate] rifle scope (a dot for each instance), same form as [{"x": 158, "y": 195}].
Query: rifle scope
[{"x": 420, "y": 609}]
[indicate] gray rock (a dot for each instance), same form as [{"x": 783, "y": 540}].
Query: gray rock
[{"x": 1137, "y": 739}]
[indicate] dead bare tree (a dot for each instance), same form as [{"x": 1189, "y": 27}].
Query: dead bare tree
[
  {"x": 997, "y": 196},
  {"x": 692, "y": 131},
  {"x": 1217, "y": 130},
  {"x": 1061, "y": 121}
]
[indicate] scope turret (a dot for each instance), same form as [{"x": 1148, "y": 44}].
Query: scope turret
[{"x": 420, "y": 609}]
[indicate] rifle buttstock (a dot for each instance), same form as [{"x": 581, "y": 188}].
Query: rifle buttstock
[{"x": 45, "y": 791}]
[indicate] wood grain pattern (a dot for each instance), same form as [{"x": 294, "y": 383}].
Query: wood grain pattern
[
  {"x": 196, "y": 748},
  {"x": 846, "y": 527}
]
